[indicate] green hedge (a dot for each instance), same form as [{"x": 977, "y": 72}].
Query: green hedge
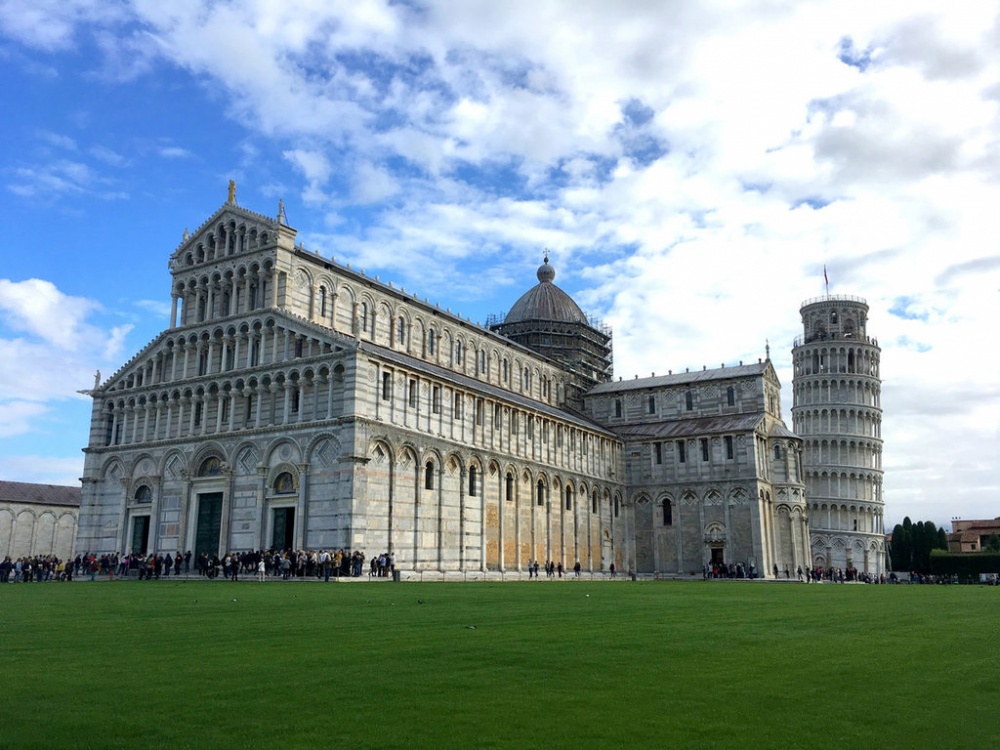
[{"x": 965, "y": 565}]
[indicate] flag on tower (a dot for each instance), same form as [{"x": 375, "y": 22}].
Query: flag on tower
[{"x": 826, "y": 279}]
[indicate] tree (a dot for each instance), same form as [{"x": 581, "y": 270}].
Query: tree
[{"x": 912, "y": 544}]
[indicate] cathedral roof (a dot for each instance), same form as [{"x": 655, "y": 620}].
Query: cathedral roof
[
  {"x": 545, "y": 301},
  {"x": 680, "y": 428},
  {"x": 682, "y": 378},
  {"x": 42, "y": 494}
]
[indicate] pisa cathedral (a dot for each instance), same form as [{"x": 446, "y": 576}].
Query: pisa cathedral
[{"x": 296, "y": 403}]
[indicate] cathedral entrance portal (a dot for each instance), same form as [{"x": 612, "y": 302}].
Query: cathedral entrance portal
[
  {"x": 140, "y": 535},
  {"x": 718, "y": 555},
  {"x": 283, "y": 528},
  {"x": 209, "y": 524}
]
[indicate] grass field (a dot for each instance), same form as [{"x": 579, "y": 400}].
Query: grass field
[{"x": 214, "y": 664}]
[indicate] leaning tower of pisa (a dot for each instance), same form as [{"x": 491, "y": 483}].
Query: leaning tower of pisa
[{"x": 837, "y": 411}]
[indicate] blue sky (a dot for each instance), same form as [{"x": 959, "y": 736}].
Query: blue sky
[{"x": 690, "y": 167}]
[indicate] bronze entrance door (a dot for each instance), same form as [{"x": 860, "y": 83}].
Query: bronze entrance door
[
  {"x": 209, "y": 524},
  {"x": 282, "y": 528}
]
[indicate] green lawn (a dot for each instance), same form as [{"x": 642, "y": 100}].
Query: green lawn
[{"x": 576, "y": 664}]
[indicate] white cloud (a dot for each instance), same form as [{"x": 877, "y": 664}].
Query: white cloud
[
  {"x": 174, "y": 152},
  {"x": 58, "y": 470}
]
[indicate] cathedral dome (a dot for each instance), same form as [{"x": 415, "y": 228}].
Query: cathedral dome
[{"x": 545, "y": 301}]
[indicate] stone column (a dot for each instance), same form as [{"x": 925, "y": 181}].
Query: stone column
[{"x": 301, "y": 512}]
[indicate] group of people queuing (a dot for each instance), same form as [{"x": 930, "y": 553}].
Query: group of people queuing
[
  {"x": 840, "y": 575},
  {"x": 728, "y": 570},
  {"x": 260, "y": 564},
  {"x": 36, "y": 569},
  {"x": 289, "y": 565}
]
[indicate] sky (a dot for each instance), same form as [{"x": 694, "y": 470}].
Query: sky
[{"x": 691, "y": 168}]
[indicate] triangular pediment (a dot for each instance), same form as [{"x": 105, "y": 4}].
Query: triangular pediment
[
  {"x": 231, "y": 230},
  {"x": 770, "y": 374}
]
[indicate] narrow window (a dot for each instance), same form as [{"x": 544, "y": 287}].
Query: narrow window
[
  {"x": 401, "y": 332},
  {"x": 322, "y": 301},
  {"x": 386, "y": 386},
  {"x": 436, "y": 399},
  {"x": 541, "y": 493},
  {"x": 668, "y": 514},
  {"x": 430, "y": 342},
  {"x": 658, "y": 447},
  {"x": 413, "y": 393},
  {"x": 472, "y": 481},
  {"x": 457, "y": 411},
  {"x": 509, "y": 487},
  {"x": 618, "y": 408},
  {"x": 681, "y": 452},
  {"x": 569, "y": 498},
  {"x": 688, "y": 401},
  {"x": 295, "y": 399},
  {"x": 480, "y": 408},
  {"x": 652, "y": 404},
  {"x": 458, "y": 352},
  {"x": 506, "y": 373},
  {"x": 363, "y": 323},
  {"x": 730, "y": 396},
  {"x": 704, "y": 449},
  {"x": 429, "y": 476},
  {"x": 729, "y": 446}
]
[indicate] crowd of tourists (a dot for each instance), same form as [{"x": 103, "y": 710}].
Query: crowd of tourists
[
  {"x": 260, "y": 564},
  {"x": 37, "y": 569}
]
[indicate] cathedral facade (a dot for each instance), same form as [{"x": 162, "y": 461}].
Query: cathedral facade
[{"x": 296, "y": 403}]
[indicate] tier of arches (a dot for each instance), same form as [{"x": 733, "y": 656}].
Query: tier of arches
[
  {"x": 28, "y": 532},
  {"x": 290, "y": 396},
  {"x": 411, "y": 400},
  {"x": 223, "y": 293},
  {"x": 834, "y": 516},
  {"x": 863, "y": 422},
  {"x": 257, "y": 341},
  {"x": 835, "y": 391},
  {"x": 859, "y": 454},
  {"x": 861, "y": 485},
  {"x": 467, "y": 510},
  {"x": 225, "y": 239},
  {"x": 821, "y": 359}
]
